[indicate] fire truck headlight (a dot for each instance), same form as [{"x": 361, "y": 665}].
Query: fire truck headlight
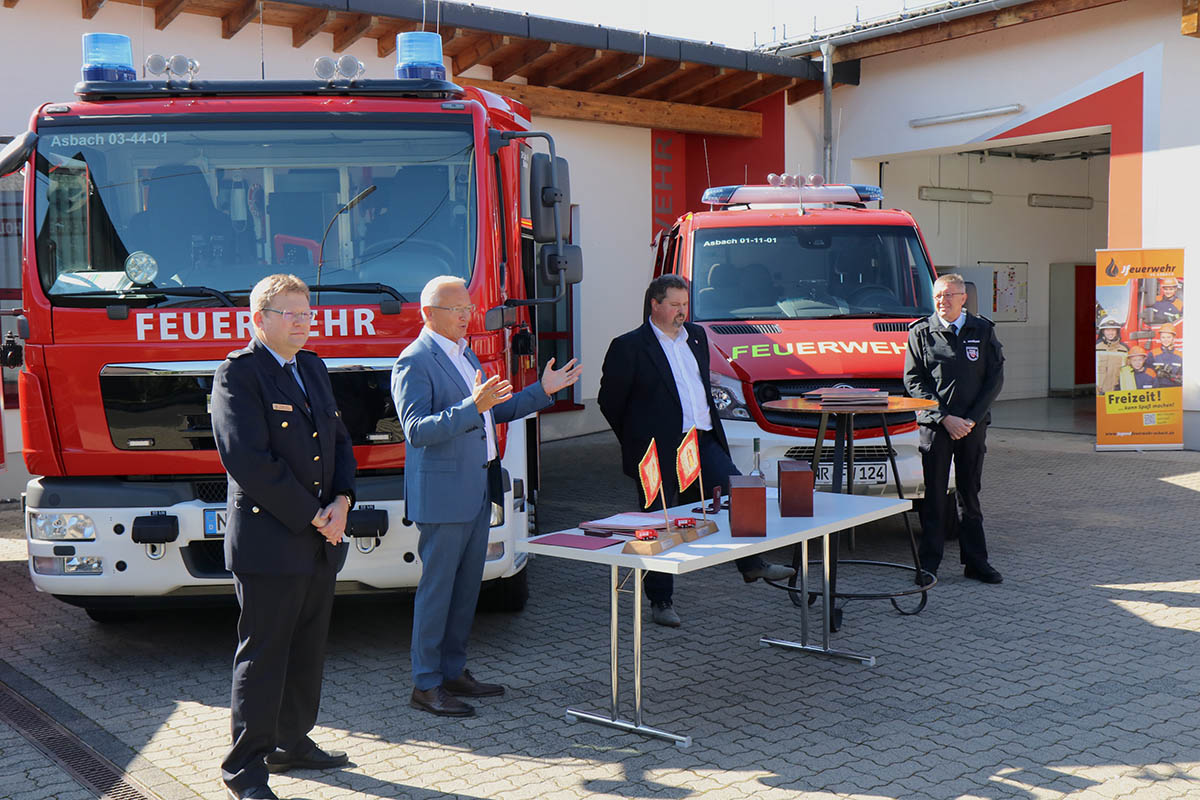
[
  {"x": 728, "y": 398},
  {"x": 57, "y": 527},
  {"x": 68, "y": 565},
  {"x": 141, "y": 268}
]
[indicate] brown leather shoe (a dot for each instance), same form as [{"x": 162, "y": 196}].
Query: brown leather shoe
[
  {"x": 465, "y": 685},
  {"x": 438, "y": 701}
]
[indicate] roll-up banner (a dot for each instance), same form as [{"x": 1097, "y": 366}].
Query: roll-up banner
[{"x": 1139, "y": 349}]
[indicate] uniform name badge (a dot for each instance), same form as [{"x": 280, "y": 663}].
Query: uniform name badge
[
  {"x": 972, "y": 352},
  {"x": 281, "y": 407}
]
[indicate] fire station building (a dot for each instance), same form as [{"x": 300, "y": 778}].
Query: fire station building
[{"x": 1023, "y": 136}]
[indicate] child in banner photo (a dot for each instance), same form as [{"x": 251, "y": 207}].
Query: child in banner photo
[
  {"x": 1110, "y": 356},
  {"x": 1165, "y": 359},
  {"x": 1134, "y": 374}
]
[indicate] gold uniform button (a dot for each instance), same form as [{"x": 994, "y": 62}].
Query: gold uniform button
[
  {"x": 316, "y": 483},
  {"x": 254, "y": 510},
  {"x": 314, "y": 434},
  {"x": 283, "y": 424},
  {"x": 316, "y": 458}
]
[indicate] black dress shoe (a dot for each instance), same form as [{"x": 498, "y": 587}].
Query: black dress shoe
[
  {"x": 982, "y": 572},
  {"x": 438, "y": 701},
  {"x": 282, "y": 761},
  {"x": 465, "y": 685},
  {"x": 261, "y": 792},
  {"x": 771, "y": 572}
]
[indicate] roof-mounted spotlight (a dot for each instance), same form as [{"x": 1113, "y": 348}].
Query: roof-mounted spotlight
[
  {"x": 325, "y": 67},
  {"x": 350, "y": 67},
  {"x": 181, "y": 66},
  {"x": 156, "y": 64}
]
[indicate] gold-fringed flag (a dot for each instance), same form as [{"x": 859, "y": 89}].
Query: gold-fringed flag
[
  {"x": 687, "y": 460},
  {"x": 650, "y": 474}
]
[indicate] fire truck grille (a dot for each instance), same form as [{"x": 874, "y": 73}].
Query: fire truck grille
[
  {"x": 890, "y": 327},
  {"x": 774, "y": 390},
  {"x": 210, "y": 491},
  {"x": 162, "y": 410},
  {"x": 861, "y": 453},
  {"x": 748, "y": 327}
]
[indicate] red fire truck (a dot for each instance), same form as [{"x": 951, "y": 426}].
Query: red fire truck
[
  {"x": 153, "y": 207},
  {"x": 801, "y": 287}
]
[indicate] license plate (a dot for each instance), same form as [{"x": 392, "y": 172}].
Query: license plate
[
  {"x": 863, "y": 473},
  {"x": 214, "y": 522}
]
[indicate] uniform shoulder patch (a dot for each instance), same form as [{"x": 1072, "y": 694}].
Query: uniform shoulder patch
[
  {"x": 916, "y": 323},
  {"x": 241, "y": 353}
]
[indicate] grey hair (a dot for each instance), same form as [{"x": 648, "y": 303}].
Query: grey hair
[
  {"x": 953, "y": 278},
  {"x": 433, "y": 288},
  {"x": 270, "y": 287}
]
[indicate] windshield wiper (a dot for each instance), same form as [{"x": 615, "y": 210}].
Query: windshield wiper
[
  {"x": 873, "y": 314},
  {"x": 180, "y": 291},
  {"x": 359, "y": 288}
]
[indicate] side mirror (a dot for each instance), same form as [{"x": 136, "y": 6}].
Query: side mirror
[
  {"x": 548, "y": 187},
  {"x": 499, "y": 318},
  {"x": 16, "y": 153},
  {"x": 569, "y": 261}
]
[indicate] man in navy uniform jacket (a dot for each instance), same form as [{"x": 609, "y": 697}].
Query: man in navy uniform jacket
[{"x": 291, "y": 485}]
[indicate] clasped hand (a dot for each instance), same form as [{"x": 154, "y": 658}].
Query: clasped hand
[
  {"x": 330, "y": 521},
  {"x": 957, "y": 427}
]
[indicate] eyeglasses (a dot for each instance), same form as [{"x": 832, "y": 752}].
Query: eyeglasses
[
  {"x": 462, "y": 311},
  {"x": 292, "y": 317},
  {"x": 942, "y": 295}
]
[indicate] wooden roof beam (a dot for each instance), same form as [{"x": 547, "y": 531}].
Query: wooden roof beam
[
  {"x": 717, "y": 91},
  {"x": 313, "y": 24},
  {"x": 238, "y": 17},
  {"x": 386, "y": 44},
  {"x": 575, "y": 62},
  {"x": 614, "y": 110},
  {"x": 10, "y": 3},
  {"x": 1189, "y": 25},
  {"x": 766, "y": 86},
  {"x": 553, "y": 55},
  {"x": 508, "y": 64},
  {"x": 355, "y": 29},
  {"x": 476, "y": 50},
  {"x": 965, "y": 26},
  {"x": 804, "y": 90},
  {"x": 606, "y": 67},
  {"x": 652, "y": 72},
  {"x": 90, "y": 7},
  {"x": 166, "y": 12},
  {"x": 693, "y": 77}
]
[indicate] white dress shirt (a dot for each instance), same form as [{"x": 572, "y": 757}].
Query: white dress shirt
[
  {"x": 688, "y": 384},
  {"x": 457, "y": 352}
]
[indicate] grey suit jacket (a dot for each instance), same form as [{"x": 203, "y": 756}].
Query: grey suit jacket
[{"x": 445, "y": 457}]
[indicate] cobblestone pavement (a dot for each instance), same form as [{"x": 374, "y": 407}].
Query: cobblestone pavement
[{"x": 1074, "y": 678}]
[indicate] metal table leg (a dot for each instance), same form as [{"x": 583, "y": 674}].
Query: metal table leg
[
  {"x": 611, "y": 720},
  {"x": 800, "y": 551}
]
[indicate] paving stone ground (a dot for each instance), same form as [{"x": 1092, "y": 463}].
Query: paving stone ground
[{"x": 1075, "y": 678}]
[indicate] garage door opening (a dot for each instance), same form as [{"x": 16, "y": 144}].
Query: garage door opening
[{"x": 1024, "y": 235}]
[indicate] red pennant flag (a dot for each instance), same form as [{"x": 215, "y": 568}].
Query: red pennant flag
[
  {"x": 687, "y": 459},
  {"x": 648, "y": 471}
]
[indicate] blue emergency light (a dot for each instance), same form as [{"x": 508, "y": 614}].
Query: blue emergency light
[
  {"x": 108, "y": 57},
  {"x": 419, "y": 55},
  {"x": 793, "y": 194}
]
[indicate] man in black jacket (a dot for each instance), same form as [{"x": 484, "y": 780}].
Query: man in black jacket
[
  {"x": 654, "y": 385},
  {"x": 291, "y": 485},
  {"x": 954, "y": 358}
]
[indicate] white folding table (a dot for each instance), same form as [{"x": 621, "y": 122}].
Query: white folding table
[{"x": 831, "y": 513}]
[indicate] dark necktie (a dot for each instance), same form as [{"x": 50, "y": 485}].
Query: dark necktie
[{"x": 296, "y": 374}]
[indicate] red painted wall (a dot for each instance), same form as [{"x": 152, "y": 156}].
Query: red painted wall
[{"x": 680, "y": 171}]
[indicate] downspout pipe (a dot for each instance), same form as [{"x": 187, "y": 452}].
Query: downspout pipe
[{"x": 827, "y": 125}]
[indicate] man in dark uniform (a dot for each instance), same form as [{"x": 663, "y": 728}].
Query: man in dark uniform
[
  {"x": 655, "y": 385},
  {"x": 954, "y": 358},
  {"x": 1167, "y": 363},
  {"x": 291, "y": 486}
]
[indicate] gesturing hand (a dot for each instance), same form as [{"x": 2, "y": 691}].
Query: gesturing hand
[
  {"x": 491, "y": 392},
  {"x": 555, "y": 380}
]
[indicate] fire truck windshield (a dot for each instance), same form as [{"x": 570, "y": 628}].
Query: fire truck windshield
[
  {"x": 219, "y": 202},
  {"x": 810, "y": 272}
]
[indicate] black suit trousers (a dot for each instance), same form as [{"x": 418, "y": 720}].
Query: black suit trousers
[
  {"x": 937, "y": 452},
  {"x": 277, "y": 668},
  {"x": 715, "y": 468}
]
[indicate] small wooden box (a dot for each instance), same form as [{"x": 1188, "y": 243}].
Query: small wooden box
[
  {"x": 747, "y": 506},
  {"x": 795, "y": 489}
]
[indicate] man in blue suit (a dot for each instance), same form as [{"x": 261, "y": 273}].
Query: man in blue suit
[{"x": 451, "y": 479}]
